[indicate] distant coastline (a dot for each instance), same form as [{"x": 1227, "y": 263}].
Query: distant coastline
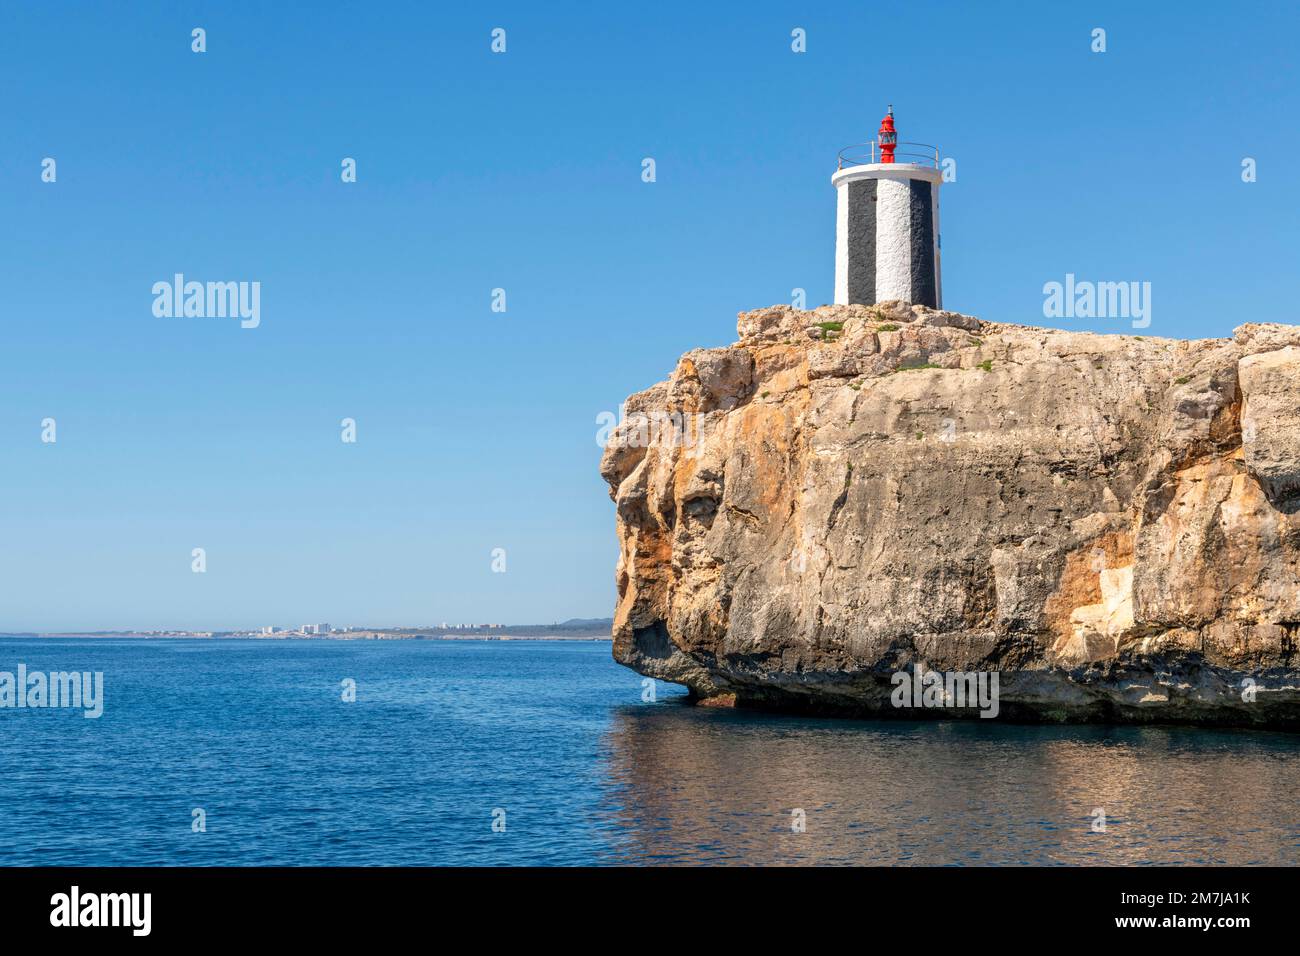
[{"x": 575, "y": 629}]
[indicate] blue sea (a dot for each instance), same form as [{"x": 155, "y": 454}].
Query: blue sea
[{"x": 554, "y": 744}]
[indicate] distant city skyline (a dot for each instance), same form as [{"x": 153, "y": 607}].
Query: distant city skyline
[{"x": 321, "y": 629}]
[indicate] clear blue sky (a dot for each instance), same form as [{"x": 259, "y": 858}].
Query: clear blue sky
[{"x": 476, "y": 429}]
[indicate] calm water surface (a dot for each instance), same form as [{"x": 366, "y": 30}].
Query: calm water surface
[{"x": 557, "y": 735}]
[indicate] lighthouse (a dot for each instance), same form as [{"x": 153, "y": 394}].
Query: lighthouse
[{"x": 887, "y": 221}]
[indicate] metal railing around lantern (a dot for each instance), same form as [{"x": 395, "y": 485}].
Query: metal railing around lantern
[{"x": 919, "y": 154}]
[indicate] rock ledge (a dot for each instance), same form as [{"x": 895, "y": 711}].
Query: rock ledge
[{"x": 1110, "y": 522}]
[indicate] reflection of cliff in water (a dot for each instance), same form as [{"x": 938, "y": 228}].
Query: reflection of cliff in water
[{"x": 691, "y": 785}]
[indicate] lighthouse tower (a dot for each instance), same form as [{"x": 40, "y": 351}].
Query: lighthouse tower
[{"x": 887, "y": 221}]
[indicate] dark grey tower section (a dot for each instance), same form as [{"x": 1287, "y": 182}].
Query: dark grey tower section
[
  {"x": 921, "y": 213},
  {"x": 862, "y": 240}
]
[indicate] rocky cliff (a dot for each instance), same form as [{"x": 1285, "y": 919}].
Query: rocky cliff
[{"x": 1108, "y": 522}]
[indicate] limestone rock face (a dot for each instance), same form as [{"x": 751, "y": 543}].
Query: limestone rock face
[{"x": 1109, "y": 522}]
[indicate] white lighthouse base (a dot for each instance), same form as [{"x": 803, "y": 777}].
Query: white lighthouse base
[{"x": 887, "y": 234}]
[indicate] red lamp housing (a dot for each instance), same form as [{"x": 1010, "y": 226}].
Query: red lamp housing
[{"x": 888, "y": 137}]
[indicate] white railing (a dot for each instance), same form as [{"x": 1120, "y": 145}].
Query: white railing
[{"x": 920, "y": 154}]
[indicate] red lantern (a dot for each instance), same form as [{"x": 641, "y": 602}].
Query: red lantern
[{"x": 888, "y": 137}]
